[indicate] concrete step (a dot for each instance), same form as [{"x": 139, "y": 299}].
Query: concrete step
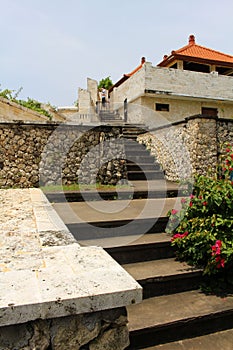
[
  {"x": 117, "y": 230},
  {"x": 131, "y": 137},
  {"x": 110, "y": 118},
  {"x": 118, "y": 213},
  {"x": 133, "y": 131},
  {"x": 141, "y": 160},
  {"x": 164, "y": 276},
  {"x": 219, "y": 340},
  {"x": 145, "y": 248},
  {"x": 134, "y": 190},
  {"x": 142, "y": 166},
  {"x": 76, "y": 196},
  {"x": 134, "y": 146},
  {"x": 137, "y": 151},
  {"x": 169, "y": 318},
  {"x": 145, "y": 175}
]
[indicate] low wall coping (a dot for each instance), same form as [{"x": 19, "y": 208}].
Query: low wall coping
[{"x": 44, "y": 273}]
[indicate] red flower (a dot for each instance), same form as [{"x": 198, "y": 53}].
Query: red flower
[
  {"x": 228, "y": 150},
  {"x": 205, "y": 203},
  {"x": 174, "y": 211},
  {"x": 191, "y": 204},
  {"x": 177, "y": 235},
  {"x": 220, "y": 261},
  {"x": 185, "y": 234},
  {"x": 180, "y": 235},
  {"x": 231, "y": 155},
  {"x": 216, "y": 248}
]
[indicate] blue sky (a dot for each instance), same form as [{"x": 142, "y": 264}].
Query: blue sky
[{"x": 50, "y": 47}]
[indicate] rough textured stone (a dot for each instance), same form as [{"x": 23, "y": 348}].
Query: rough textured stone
[
  {"x": 33, "y": 155},
  {"x": 191, "y": 147},
  {"x": 27, "y": 336},
  {"x": 71, "y": 333},
  {"x": 114, "y": 338},
  {"x": 102, "y": 330}
]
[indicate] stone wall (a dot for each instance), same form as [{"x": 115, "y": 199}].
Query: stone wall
[
  {"x": 51, "y": 154},
  {"x": 101, "y": 330},
  {"x": 225, "y": 134},
  {"x": 86, "y": 106},
  {"x": 193, "y": 146},
  {"x": 46, "y": 154}
]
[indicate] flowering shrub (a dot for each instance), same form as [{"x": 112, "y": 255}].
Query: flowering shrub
[{"x": 202, "y": 231}]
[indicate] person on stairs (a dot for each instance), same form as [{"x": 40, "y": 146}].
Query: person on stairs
[{"x": 103, "y": 97}]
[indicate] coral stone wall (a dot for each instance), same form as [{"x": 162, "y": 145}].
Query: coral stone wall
[
  {"x": 193, "y": 146},
  {"x": 45, "y": 154},
  {"x": 93, "y": 331},
  {"x": 225, "y": 134},
  {"x": 50, "y": 154}
]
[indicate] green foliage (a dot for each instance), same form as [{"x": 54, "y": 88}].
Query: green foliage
[
  {"x": 30, "y": 103},
  {"x": 6, "y": 94},
  {"x": 35, "y": 106},
  {"x": 203, "y": 228},
  {"x": 105, "y": 83}
]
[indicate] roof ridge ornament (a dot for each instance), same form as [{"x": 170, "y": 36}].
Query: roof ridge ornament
[{"x": 192, "y": 39}]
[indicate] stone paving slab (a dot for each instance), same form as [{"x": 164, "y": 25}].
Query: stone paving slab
[
  {"x": 167, "y": 309},
  {"x": 158, "y": 269},
  {"x": 220, "y": 340},
  {"x": 44, "y": 273},
  {"x": 93, "y": 211}
]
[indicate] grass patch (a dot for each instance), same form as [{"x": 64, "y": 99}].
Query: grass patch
[{"x": 83, "y": 187}]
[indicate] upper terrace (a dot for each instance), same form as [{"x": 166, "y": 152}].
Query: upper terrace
[
  {"x": 175, "y": 83},
  {"x": 193, "y": 71}
]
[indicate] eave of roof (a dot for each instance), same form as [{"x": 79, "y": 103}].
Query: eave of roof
[
  {"x": 176, "y": 57},
  {"x": 198, "y": 53}
]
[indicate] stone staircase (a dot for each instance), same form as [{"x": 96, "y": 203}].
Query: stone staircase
[
  {"x": 109, "y": 116},
  {"x": 141, "y": 165},
  {"x": 174, "y": 314}
]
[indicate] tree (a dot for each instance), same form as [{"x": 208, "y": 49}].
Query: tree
[{"x": 105, "y": 83}]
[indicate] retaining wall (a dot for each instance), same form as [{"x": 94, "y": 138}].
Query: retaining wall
[
  {"x": 192, "y": 146},
  {"x": 50, "y": 154}
]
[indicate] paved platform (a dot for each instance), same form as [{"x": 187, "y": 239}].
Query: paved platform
[{"x": 44, "y": 273}]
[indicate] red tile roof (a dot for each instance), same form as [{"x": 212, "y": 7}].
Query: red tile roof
[
  {"x": 197, "y": 52},
  {"x": 143, "y": 60}
]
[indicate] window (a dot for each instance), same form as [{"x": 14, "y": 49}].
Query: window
[
  {"x": 213, "y": 112},
  {"x": 163, "y": 107}
]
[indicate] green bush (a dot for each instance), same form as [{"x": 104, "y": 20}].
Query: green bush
[{"x": 202, "y": 231}]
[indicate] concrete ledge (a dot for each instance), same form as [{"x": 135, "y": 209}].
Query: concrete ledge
[
  {"x": 51, "y": 229},
  {"x": 40, "y": 278}
]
